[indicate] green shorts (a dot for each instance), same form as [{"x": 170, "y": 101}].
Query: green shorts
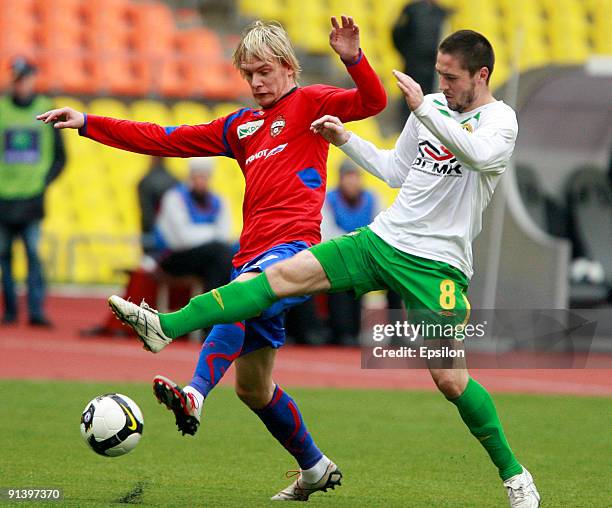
[{"x": 433, "y": 291}]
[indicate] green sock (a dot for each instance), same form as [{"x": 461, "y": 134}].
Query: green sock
[
  {"x": 234, "y": 302},
  {"x": 477, "y": 410}
]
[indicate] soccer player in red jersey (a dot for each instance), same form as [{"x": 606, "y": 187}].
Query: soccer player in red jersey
[{"x": 284, "y": 166}]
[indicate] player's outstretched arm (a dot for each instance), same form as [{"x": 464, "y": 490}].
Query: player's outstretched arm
[
  {"x": 344, "y": 39},
  {"x": 144, "y": 137},
  {"x": 63, "y": 118}
]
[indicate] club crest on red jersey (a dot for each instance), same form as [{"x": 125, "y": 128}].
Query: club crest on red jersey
[{"x": 278, "y": 124}]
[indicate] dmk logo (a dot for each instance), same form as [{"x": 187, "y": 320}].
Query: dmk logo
[{"x": 438, "y": 159}]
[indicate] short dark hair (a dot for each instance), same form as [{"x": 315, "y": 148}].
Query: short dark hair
[{"x": 474, "y": 50}]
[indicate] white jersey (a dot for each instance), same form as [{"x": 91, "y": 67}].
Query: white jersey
[{"x": 447, "y": 165}]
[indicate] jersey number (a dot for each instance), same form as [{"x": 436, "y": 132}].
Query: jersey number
[{"x": 447, "y": 294}]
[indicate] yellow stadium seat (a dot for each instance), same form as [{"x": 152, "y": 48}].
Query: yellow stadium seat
[
  {"x": 535, "y": 53},
  {"x": 108, "y": 107},
  {"x": 225, "y": 108},
  {"x": 268, "y": 10},
  {"x": 316, "y": 15},
  {"x": 71, "y": 102},
  {"x": 191, "y": 113},
  {"x": 600, "y": 30},
  {"x": 151, "y": 111}
]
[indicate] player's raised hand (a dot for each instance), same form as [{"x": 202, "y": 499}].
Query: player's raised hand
[
  {"x": 410, "y": 88},
  {"x": 345, "y": 39},
  {"x": 332, "y": 130},
  {"x": 63, "y": 118}
]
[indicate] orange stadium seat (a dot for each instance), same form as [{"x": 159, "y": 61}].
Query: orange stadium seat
[
  {"x": 153, "y": 28},
  {"x": 17, "y": 28},
  {"x": 13, "y": 11},
  {"x": 61, "y": 24},
  {"x": 200, "y": 42},
  {"x": 215, "y": 80},
  {"x": 65, "y": 72},
  {"x": 120, "y": 74},
  {"x": 107, "y": 25},
  {"x": 171, "y": 81},
  {"x": 207, "y": 73}
]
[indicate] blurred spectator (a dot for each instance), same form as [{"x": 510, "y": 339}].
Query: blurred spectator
[
  {"x": 32, "y": 157},
  {"x": 188, "y": 237},
  {"x": 193, "y": 229},
  {"x": 416, "y": 35},
  {"x": 346, "y": 208},
  {"x": 150, "y": 191}
]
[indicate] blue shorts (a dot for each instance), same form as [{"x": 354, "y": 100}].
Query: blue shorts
[{"x": 269, "y": 328}]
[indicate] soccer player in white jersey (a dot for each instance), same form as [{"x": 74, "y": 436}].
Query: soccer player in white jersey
[{"x": 447, "y": 161}]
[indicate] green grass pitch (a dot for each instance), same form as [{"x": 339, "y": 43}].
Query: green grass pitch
[{"x": 394, "y": 448}]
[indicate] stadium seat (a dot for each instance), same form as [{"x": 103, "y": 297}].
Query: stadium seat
[
  {"x": 567, "y": 30},
  {"x": 171, "y": 80},
  {"x": 153, "y": 28},
  {"x": 107, "y": 106},
  {"x": 145, "y": 110},
  {"x": 270, "y": 9},
  {"x": 68, "y": 72},
  {"x": 215, "y": 80},
  {"x": 600, "y": 29},
  {"x": 107, "y": 26},
  {"x": 119, "y": 74},
  {"x": 201, "y": 43},
  {"x": 224, "y": 109},
  {"x": 314, "y": 15},
  {"x": 190, "y": 113},
  {"x": 17, "y": 33},
  {"x": 62, "y": 22},
  {"x": 71, "y": 102}
]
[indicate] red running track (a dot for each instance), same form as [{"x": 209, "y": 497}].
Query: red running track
[{"x": 30, "y": 353}]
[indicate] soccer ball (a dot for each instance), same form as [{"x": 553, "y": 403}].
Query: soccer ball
[{"x": 112, "y": 424}]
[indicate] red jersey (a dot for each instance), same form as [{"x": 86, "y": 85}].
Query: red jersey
[{"x": 283, "y": 162}]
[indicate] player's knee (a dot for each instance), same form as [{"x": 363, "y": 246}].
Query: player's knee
[
  {"x": 253, "y": 397},
  {"x": 450, "y": 383}
]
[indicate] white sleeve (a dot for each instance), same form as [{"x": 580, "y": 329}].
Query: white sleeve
[
  {"x": 488, "y": 149},
  {"x": 329, "y": 228},
  {"x": 391, "y": 166}
]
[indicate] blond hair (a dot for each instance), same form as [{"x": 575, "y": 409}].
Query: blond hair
[{"x": 265, "y": 41}]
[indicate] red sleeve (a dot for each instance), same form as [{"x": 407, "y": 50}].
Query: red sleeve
[
  {"x": 368, "y": 99},
  {"x": 151, "y": 139}
]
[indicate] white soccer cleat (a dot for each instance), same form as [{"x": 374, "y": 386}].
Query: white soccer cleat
[
  {"x": 522, "y": 492},
  {"x": 143, "y": 320},
  {"x": 300, "y": 490}
]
